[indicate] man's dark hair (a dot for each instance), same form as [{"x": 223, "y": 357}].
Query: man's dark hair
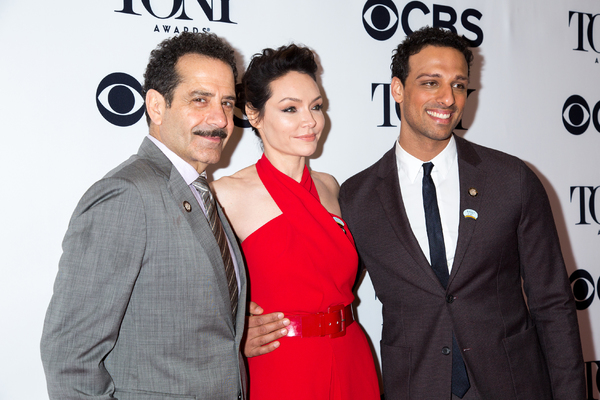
[
  {"x": 421, "y": 38},
  {"x": 161, "y": 74},
  {"x": 268, "y": 66}
]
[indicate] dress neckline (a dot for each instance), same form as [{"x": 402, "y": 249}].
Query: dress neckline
[{"x": 306, "y": 181}]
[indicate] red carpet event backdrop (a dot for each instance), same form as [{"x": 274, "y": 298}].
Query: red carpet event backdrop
[{"x": 71, "y": 109}]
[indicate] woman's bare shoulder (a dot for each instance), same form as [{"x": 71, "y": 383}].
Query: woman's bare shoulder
[
  {"x": 228, "y": 188},
  {"x": 245, "y": 201},
  {"x": 327, "y": 181},
  {"x": 328, "y": 189}
]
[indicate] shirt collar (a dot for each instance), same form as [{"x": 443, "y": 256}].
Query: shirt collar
[
  {"x": 188, "y": 172},
  {"x": 412, "y": 167}
]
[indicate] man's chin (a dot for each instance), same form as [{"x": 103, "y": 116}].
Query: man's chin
[
  {"x": 440, "y": 136},
  {"x": 212, "y": 157}
]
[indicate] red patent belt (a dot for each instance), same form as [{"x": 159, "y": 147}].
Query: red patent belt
[{"x": 333, "y": 323}]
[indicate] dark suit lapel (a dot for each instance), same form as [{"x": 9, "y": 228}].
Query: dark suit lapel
[
  {"x": 195, "y": 217},
  {"x": 390, "y": 196},
  {"x": 470, "y": 177}
]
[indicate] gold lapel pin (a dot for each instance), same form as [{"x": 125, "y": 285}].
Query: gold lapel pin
[
  {"x": 187, "y": 206},
  {"x": 473, "y": 192}
]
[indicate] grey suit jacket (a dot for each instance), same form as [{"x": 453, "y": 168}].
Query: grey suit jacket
[
  {"x": 141, "y": 309},
  {"x": 513, "y": 349}
]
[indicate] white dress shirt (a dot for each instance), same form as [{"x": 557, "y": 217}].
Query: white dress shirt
[
  {"x": 445, "y": 178},
  {"x": 189, "y": 175}
]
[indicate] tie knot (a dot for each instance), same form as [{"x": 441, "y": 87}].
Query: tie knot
[
  {"x": 201, "y": 184},
  {"x": 427, "y": 167}
]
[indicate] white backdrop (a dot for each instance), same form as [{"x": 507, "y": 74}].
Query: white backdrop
[{"x": 531, "y": 57}]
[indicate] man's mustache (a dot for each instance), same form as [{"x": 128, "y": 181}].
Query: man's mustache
[{"x": 220, "y": 133}]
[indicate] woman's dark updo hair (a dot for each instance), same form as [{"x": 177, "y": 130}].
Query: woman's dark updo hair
[{"x": 268, "y": 66}]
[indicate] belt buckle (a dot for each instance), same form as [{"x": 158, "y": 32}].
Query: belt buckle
[
  {"x": 334, "y": 309},
  {"x": 295, "y": 327}
]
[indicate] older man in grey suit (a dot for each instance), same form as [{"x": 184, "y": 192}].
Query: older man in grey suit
[{"x": 149, "y": 286}]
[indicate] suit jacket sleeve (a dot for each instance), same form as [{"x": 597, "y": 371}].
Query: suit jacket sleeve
[
  {"x": 548, "y": 291},
  {"x": 102, "y": 256}
]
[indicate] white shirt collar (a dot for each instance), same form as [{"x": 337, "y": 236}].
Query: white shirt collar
[
  {"x": 413, "y": 167},
  {"x": 188, "y": 172}
]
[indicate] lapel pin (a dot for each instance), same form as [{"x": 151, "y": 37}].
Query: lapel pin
[
  {"x": 340, "y": 223},
  {"x": 468, "y": 213},
  {"x": 187, "y": 206},
  {"x": 473, "y": 192}
]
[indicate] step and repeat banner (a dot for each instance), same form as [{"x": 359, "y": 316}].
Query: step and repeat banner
[{"x": 71, "y": 110}]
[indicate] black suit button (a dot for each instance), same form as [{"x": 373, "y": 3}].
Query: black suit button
[
  {"x": 445, "y": 350},
  {"x": 449, "y": 298}
]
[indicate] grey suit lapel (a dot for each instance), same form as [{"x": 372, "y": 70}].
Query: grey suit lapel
[
  {"x": 470, "y": 176},
  {"x": 390, "y": 196},
  {"x": 182, "y": 195}
]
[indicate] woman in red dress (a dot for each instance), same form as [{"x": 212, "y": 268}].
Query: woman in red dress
[{"x": 300, "y": 256}]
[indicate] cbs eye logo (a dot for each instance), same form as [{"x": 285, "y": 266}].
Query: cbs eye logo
[
  {"x": 119, "y": 99},
  {"x": 582, "y": 284},
  {"x": 576, "y": 115},
  {"x": 380, "y": 18}
]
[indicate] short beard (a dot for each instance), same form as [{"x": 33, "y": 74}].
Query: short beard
[{"x": 220, "y": 133}]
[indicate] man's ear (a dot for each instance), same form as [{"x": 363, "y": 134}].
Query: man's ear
[
  {"x": 253, "y": 116},
  {"x": 397, "y": 90},
  {"x": 155, "y": 105}
]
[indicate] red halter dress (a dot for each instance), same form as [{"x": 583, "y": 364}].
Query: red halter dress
[{"x": 303, "y": 262}]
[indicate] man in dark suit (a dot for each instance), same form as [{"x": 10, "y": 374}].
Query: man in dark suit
[
  {"x": 452, "y": 234},
  {"x": 150, "y": 294}
]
